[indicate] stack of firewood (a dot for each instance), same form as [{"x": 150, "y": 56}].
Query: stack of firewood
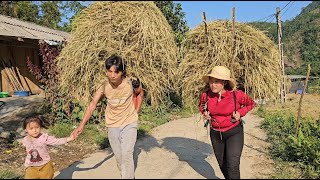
[{"x": 11, "y": 75}]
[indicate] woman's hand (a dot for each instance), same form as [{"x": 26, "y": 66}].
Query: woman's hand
[
  {"x": 77, "y": 131},
  {"x": 206, "y": 115},
  {"x": 71, "y": 137},
  {"x": 236, "y": 115}
]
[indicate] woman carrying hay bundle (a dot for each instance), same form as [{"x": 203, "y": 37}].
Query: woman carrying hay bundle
[
  {"x": 121, "y": 116},
  {"x": 224, "y": 107}
]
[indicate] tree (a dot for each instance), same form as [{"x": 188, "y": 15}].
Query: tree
[
  {"x": 24, "y": 10},
  {"x": 27, "y": 11},
  {"x": 175, "y": 17},
  {"x": 50, "y": 14},
  {"x": 8, "y": 8},
  {"x": 71, "y": 7}
]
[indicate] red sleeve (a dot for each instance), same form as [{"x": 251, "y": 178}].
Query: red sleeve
[
  {"x": 246, "y": 103},
  {"x": 202, "y": 101}
]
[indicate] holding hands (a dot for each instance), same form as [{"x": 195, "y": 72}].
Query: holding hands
[{"x": 77, "y": 131}]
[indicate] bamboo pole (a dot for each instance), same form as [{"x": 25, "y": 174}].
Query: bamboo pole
[
  {"x": 300, "y": 102},
  {"x": 280, "y": 46},
  {"x": 205, "y": 26},
  {"x": 233, "y": 29}
]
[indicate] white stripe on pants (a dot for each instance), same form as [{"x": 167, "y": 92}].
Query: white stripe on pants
[{"x": 122, "y": 141}]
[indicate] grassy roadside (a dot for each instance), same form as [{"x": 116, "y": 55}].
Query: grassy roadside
[{"x": 294, "y": 156}]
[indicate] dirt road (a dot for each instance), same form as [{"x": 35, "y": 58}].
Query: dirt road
[{"x": 179, "y": 149}]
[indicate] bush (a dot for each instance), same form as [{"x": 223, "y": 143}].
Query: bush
[{"x": 303, "y": 149}]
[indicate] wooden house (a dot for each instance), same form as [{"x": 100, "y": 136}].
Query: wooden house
[{"x": 19, "y": 40}]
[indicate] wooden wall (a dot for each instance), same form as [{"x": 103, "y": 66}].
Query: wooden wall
[{"x": 15, "y": 51}]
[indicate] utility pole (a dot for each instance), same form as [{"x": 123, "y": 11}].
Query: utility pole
[
  {"x": 233, "y": 29},
  {"x": 205, "y": 26},
  {"x": 280, "y": 46}
]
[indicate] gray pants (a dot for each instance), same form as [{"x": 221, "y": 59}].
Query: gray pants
[{"x": 122, "y": 141}]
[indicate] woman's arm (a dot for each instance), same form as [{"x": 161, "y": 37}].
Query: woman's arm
[
  {"x": 140, "y": 96},
  {"x": 88, "y": 113},
  {"x": 246, "y": 103}
]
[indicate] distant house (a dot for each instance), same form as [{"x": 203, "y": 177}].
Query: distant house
[
  {"x": 18, "y": 41},
  {"x": 295, "y": 83}
]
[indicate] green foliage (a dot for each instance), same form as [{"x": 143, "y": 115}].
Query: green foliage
[
  {"x": 9, "y": 8},
  {"x": 74, "y": 8},
  {"x": 175, "y": 16},
  {"x": 150, "y": 118},
  {"x": 51, "y": 15},
  {"x": 9, "y": 174},
  {"x": 270, "y": 29},
  {"x": 262, "y": 111},
  {"x": 45, "y": 13},
  {"x": 303, "y": 149},
  {"x": 91, "y": 133},
  {"x": 61, "y": 129}
]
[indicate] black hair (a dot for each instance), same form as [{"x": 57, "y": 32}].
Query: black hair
[
  {"x": 36, "y": 119},
  {"x": 135, "y": 83},
  {"x": 118, "y": 62}
]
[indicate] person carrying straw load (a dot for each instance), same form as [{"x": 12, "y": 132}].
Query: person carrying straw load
[
  {"x": 223, "y": 106},
  {"x": 121, "y": 117}
]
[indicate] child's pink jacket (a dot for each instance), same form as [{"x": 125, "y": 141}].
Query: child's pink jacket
[{"x": 37, "y": 150}]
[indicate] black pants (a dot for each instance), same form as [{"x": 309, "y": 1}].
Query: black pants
[{"x": 228, "y": 150}]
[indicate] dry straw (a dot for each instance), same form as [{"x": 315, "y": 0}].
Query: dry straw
[
  {"x": 137, "y": 31},
  {"x": 250, "y": 55}
]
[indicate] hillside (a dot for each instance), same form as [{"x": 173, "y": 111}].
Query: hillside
[{"x": 301, "y": 38}]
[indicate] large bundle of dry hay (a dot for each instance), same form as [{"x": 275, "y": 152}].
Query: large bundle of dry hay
[
  {"x": 137, "y": 31},
  {"x": 250, "y": 55}
]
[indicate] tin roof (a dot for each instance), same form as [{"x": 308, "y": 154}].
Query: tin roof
[
  {"x": 17, "y": 28},
  {"x": 300, "y": 77}
]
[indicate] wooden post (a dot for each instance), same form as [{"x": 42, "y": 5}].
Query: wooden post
[
  {"x": 233, "y": 32},
  {"x": 300, "y": 102},
  {"x": 280, "y": 46},
  {"x": 205, "y": 26}
]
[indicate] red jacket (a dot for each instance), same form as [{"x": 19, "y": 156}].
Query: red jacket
[{"x": 221, "y": 112}]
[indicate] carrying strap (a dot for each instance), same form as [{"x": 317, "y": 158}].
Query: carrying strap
[
  {"x": 206, "y": 103},
  {"x": 234, "y": 100}
]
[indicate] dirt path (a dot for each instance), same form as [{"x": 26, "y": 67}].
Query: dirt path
[{"x": 178, "y": 149}]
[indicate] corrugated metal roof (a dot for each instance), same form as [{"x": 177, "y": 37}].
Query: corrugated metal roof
[
  {"x": 13, "y": 27},
  {"x": 300, "y": 77}
]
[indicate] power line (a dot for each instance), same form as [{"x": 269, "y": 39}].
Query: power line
[
  {"x": 287, "y": 8},
  {"x": 273, "y": 15},
  {"x": 285, "y": 5},
  {"x": 265, "y": 17}
]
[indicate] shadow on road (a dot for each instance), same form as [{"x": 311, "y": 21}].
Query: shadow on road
[
  {"x": 193, "y": 152},
  {"x": 67, "y": 173},
  {"x": 146, "y": 143}
]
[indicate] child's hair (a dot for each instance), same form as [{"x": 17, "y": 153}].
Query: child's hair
[
  {"x": 36, "y": 119},
  {"x": 135, "y": 83}
]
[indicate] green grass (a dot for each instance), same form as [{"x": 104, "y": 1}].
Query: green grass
[
  {"x": 9, "y": 174},
  {"x": 92, "y": 134},
  {"x": 286, "y": 170},
  {"x": 301, "y": 151}
]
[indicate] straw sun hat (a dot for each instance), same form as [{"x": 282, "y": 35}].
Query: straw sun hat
[{"x": 220, "y": 72}]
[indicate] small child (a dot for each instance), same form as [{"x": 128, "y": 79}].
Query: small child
[
  {"x": 138, "y": 93},
  {"x": 38, "y": 163}
]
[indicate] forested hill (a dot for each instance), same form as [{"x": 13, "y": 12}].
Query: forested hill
[{"x": 301, "y": 38}]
